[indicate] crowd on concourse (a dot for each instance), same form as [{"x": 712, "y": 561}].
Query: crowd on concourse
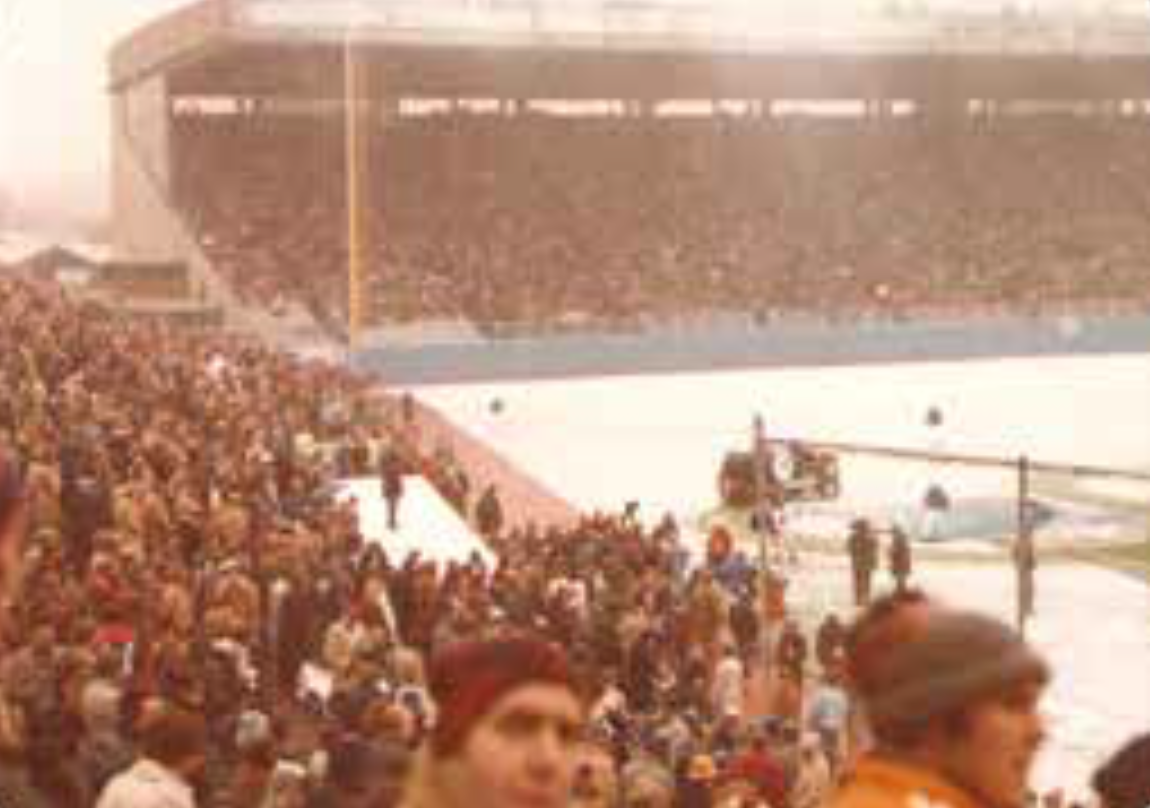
[{"x": 546, "y": 222}]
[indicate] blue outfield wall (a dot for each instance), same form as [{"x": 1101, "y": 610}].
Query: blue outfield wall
[{"x": 778, "y": 344}]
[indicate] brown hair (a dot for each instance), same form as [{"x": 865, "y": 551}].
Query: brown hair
[
  {"x": 172, "y": 735},
  {"x": 1123, "y": 781}
]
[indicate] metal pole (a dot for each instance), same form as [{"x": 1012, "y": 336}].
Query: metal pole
[
  {"x": 762, "y": 602},
  {"x": 985, "y": 461},
  {"x": 257, "y": 530},
  {"x": 353, "y": 161},
  {"x": 200, "y": 562},
  {"x": 1024, "y": 560},
  {"x": 758, "y": 452}
]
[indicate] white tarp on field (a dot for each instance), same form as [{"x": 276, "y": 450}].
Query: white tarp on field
[
  {"x": 659, "y": 440},
  {"x": 427, "y": 524}
]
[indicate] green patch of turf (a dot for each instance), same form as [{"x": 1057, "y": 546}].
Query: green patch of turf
[{"x": 1132, "y": 558}]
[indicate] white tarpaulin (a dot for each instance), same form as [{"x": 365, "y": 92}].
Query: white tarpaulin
[{"x": 427, "y": 524}]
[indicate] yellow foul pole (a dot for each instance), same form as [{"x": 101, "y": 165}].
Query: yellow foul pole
[{"x": 354, "y": 162}]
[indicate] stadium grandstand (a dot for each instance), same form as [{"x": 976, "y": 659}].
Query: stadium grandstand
[{"x": 612, "y": 165}]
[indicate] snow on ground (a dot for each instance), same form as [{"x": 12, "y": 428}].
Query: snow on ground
[
  {"x": 666, "y": 435},
  {"x": 1092, "y": 624},
  {"x": 426, "y": 523},
  {"x": 659, "y": 440}
]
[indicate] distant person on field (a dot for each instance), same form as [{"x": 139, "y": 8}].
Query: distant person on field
[
  {"x": 899, "y": 558},
  {"x": 862, "y": 547}
]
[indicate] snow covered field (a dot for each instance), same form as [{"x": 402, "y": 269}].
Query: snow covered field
[
  {"x": 664, "y": 436},
  {"x": 425, "y": 523},
  {"x": 659, "y": 440}
]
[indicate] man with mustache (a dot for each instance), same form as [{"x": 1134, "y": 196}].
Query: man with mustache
[{"x": 508, "y": 730}]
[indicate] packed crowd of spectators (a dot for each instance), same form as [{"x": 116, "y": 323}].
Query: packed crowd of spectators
[
  {"x": 548, "y": 221},
  {"x": 184, "y": 548},
  {"x": 156, "y": 465},
  {"x": 192, "y": 590}
]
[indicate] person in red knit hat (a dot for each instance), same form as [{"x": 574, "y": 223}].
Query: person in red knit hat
[
  {"x": 950, "y": 698},
  {"x": 508, "y": 727}
]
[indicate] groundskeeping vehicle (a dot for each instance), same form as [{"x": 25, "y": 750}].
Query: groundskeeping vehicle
[{"x": 791, "y": 472}]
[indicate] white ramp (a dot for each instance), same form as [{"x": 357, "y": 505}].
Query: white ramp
[{"x": 428, "y": 525}]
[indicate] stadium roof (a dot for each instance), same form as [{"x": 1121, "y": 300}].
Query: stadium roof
[{"x": 629, "y": 48}]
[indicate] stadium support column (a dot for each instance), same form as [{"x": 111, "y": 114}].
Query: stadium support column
[{"x": 353, "y": 123}]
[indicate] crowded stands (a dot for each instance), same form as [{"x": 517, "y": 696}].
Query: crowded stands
[
  {"x": 185, "y": 552},
  {"x": 184, "y": 549},
  {"x": 550, "y": 221},
  {"x": 194, "y": 593}
]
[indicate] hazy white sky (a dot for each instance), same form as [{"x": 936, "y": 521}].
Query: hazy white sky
[{"x": 53, "y": 107}]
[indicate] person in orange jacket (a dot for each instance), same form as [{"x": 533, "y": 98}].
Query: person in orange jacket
[{"x": 950, "y": 699}]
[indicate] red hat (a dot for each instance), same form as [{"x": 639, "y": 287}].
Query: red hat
[{"x": 467, "y": 678}]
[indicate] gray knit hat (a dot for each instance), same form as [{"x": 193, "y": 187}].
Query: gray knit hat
[{"x": 956, "y": 659}]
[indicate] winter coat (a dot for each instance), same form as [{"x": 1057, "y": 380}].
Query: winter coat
[
  {"x": 147, "y": 784},
  {"x": 876, "y": 781}
]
